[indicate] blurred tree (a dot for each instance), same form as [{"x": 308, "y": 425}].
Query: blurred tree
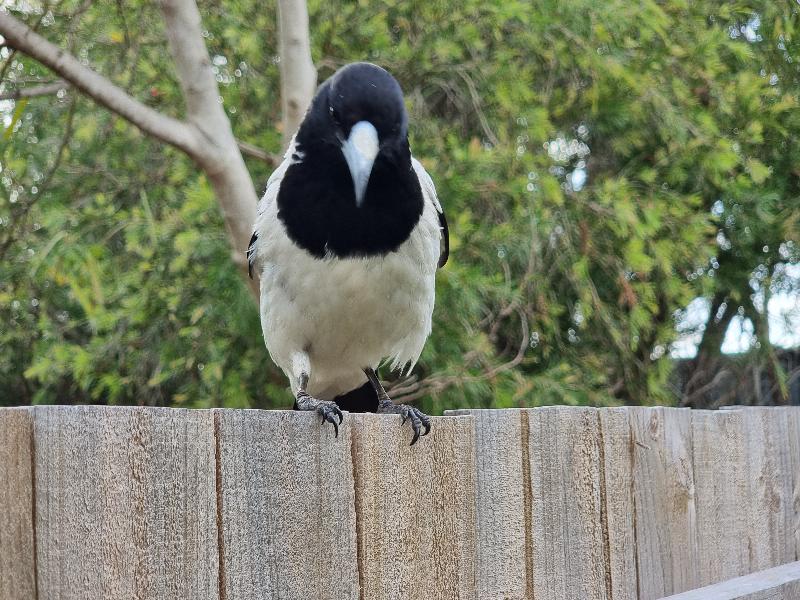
[{"x": 602, "y": 165}]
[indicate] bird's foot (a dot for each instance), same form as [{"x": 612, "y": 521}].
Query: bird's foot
[
  {"x": 418, "y": 418},
  {"x": 327, "y": 409}
]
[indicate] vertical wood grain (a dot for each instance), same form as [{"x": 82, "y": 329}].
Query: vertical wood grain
[
  {"x": 769, "y": 507},
  {"x": 793, "y": 448},
  {"x": 664, "y": 496},
  {"x": 125, "y": 503},
  {"x": 17, "y": 559},
  {"x": 415, "y": 509},
  {"x": 568, "y": 550},
  {"x": 501, "y": 495},
  {"x": 618, "y": 502},
  {"x": 721, "y": 494},
  {"x": 548, "y": 503},
  {"x": 288, "y": 507}
]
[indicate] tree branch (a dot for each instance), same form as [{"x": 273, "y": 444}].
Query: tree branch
[
  {"x": 169, "y": 130},
  {"x": 207, "y": 138},
  {"x": 255, "y": 152},
  {"x": 224, "y": 165},
  {"x": 298, "y": 75},
  {"x": 409, "y": 390},
  {"x": 47, "y": 89},
  {"x": 39, "y": 90}
]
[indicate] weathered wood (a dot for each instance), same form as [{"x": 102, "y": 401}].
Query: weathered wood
[
  {"x": 288, "y": 506},
  {"x": 777, "y": 583},
  {"x": 415, "y": 508},
  {"x": 17, "y": 550},
  {"x": 664, "y": 496},
  {"x": 793, "y": 448},
  {"x": 125, "y": 503},
  {"x": 618, "y": 502},
  {"x": 721, "y": 494},
  {"x": 558, "y": 502},
  {"x": 502, "y": 493},
  {"x": 769, "y": 508},
  {"x": 568, "y": 550}
]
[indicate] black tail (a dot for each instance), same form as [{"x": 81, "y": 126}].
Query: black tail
[{"x": 362, "y": 399}]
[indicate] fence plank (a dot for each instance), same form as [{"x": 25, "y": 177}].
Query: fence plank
[
  {"x": 568, "y": 555},
  {"x": 793, "y": 447},
  {"x": 721, "y": 492},
  {"x": 288, "y": 507},
  {"x": 125, "y": 503},
  {"x": 17, "y": 565},
  {"x": 618, "y": 502},
  {"x": 415, "y": 508},
  {"x": 664, "y": 491},
  {"x": 558, "y": 502},
  {"x": 777, "y": 583},
  {"x": 502, "y": 493},
  {"x": 769, "y": 498}
]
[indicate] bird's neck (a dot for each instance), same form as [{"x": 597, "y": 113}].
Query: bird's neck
[{"x": 317, "y": 202}]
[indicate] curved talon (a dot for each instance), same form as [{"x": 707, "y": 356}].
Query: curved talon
[
  {"x": 416, "y": 436},
  {"x": 427, "y": 423},
  {"x": 415, "y": 423},
  {"x": 326, "y": 409},
  {"x": 329, "y": 417},
  {"x": 420, "y": 422}
]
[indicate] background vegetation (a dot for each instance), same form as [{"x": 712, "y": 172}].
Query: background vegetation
[{"x": 602, "y": 164}]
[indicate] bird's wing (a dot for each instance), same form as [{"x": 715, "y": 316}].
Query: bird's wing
[
  {"x": 270, "y": 195},
  {"x": 429, "y": 195}
]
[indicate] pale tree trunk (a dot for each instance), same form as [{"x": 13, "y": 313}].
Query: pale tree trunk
[
  {"x": 222, "y": 162},
  {"x": 298, "y": 76},
  {"x": 205, "y": 135}
]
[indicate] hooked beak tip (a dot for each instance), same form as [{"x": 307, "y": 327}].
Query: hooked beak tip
[{"x": 360, "y": 149}]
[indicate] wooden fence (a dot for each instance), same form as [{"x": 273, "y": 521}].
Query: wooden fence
[{"x": 549, "y": 503}]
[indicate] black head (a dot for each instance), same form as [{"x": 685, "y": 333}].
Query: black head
[
  {"x": 356, "y": 93},
  {"x": 366, "y": 92},
  {"x": 351, "y": 190}
]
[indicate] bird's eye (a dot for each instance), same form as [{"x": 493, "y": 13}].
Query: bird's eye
[{"x": 334, "y": 115}]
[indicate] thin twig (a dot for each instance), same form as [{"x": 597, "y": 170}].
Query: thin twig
[
  {"x": 23, "y": 38},
  {"x": 31, "y": 92},
  {"x": 476, "y": 103},
  {"x": 436, "y": 383},
  {"x": 255, "y": 152}
]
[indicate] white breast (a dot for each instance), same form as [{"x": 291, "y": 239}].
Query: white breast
[{"x": 347, "y": 314}]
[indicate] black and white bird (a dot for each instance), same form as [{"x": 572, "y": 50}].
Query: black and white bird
[{"x": 347, "y": 241}]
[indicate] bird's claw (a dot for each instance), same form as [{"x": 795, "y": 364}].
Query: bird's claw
[
  {"x": 326, "y": 409},
  {"x": 419, "y": 420}
]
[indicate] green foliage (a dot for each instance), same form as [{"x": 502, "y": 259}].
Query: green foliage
[{"x": 116, "y": 281}]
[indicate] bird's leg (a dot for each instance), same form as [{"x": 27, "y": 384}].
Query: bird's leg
[
  {"x": 386, "y": 406},
  {"x": 327, "y": 409}
]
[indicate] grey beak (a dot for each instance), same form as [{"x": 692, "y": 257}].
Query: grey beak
[{"x": 360, "y": 150}]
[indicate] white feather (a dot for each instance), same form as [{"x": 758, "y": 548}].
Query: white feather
[{"x": 345, "y": 313}]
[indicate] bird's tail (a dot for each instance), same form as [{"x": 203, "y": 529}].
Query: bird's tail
[{"x": 362, "y": 399}]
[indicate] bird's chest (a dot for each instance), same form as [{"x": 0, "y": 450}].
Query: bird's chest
[{"x": 334, "y": 308}]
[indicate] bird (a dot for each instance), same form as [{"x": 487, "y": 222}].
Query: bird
[{"x": 347, "y": 241}]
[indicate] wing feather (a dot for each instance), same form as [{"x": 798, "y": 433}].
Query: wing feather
[
  {"x": 429, "y": 194},
  {"x": 291, "y": 157}
]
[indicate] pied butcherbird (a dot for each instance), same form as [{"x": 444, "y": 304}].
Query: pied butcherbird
[{"x": 347, "y": 241}]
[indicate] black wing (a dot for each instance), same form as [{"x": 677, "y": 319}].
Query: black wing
[
  {"x": 251, "y": 254},
  {"x": 444, "y": 245}
]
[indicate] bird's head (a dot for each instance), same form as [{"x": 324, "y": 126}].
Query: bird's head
[{"x": 361, "y": 107}]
